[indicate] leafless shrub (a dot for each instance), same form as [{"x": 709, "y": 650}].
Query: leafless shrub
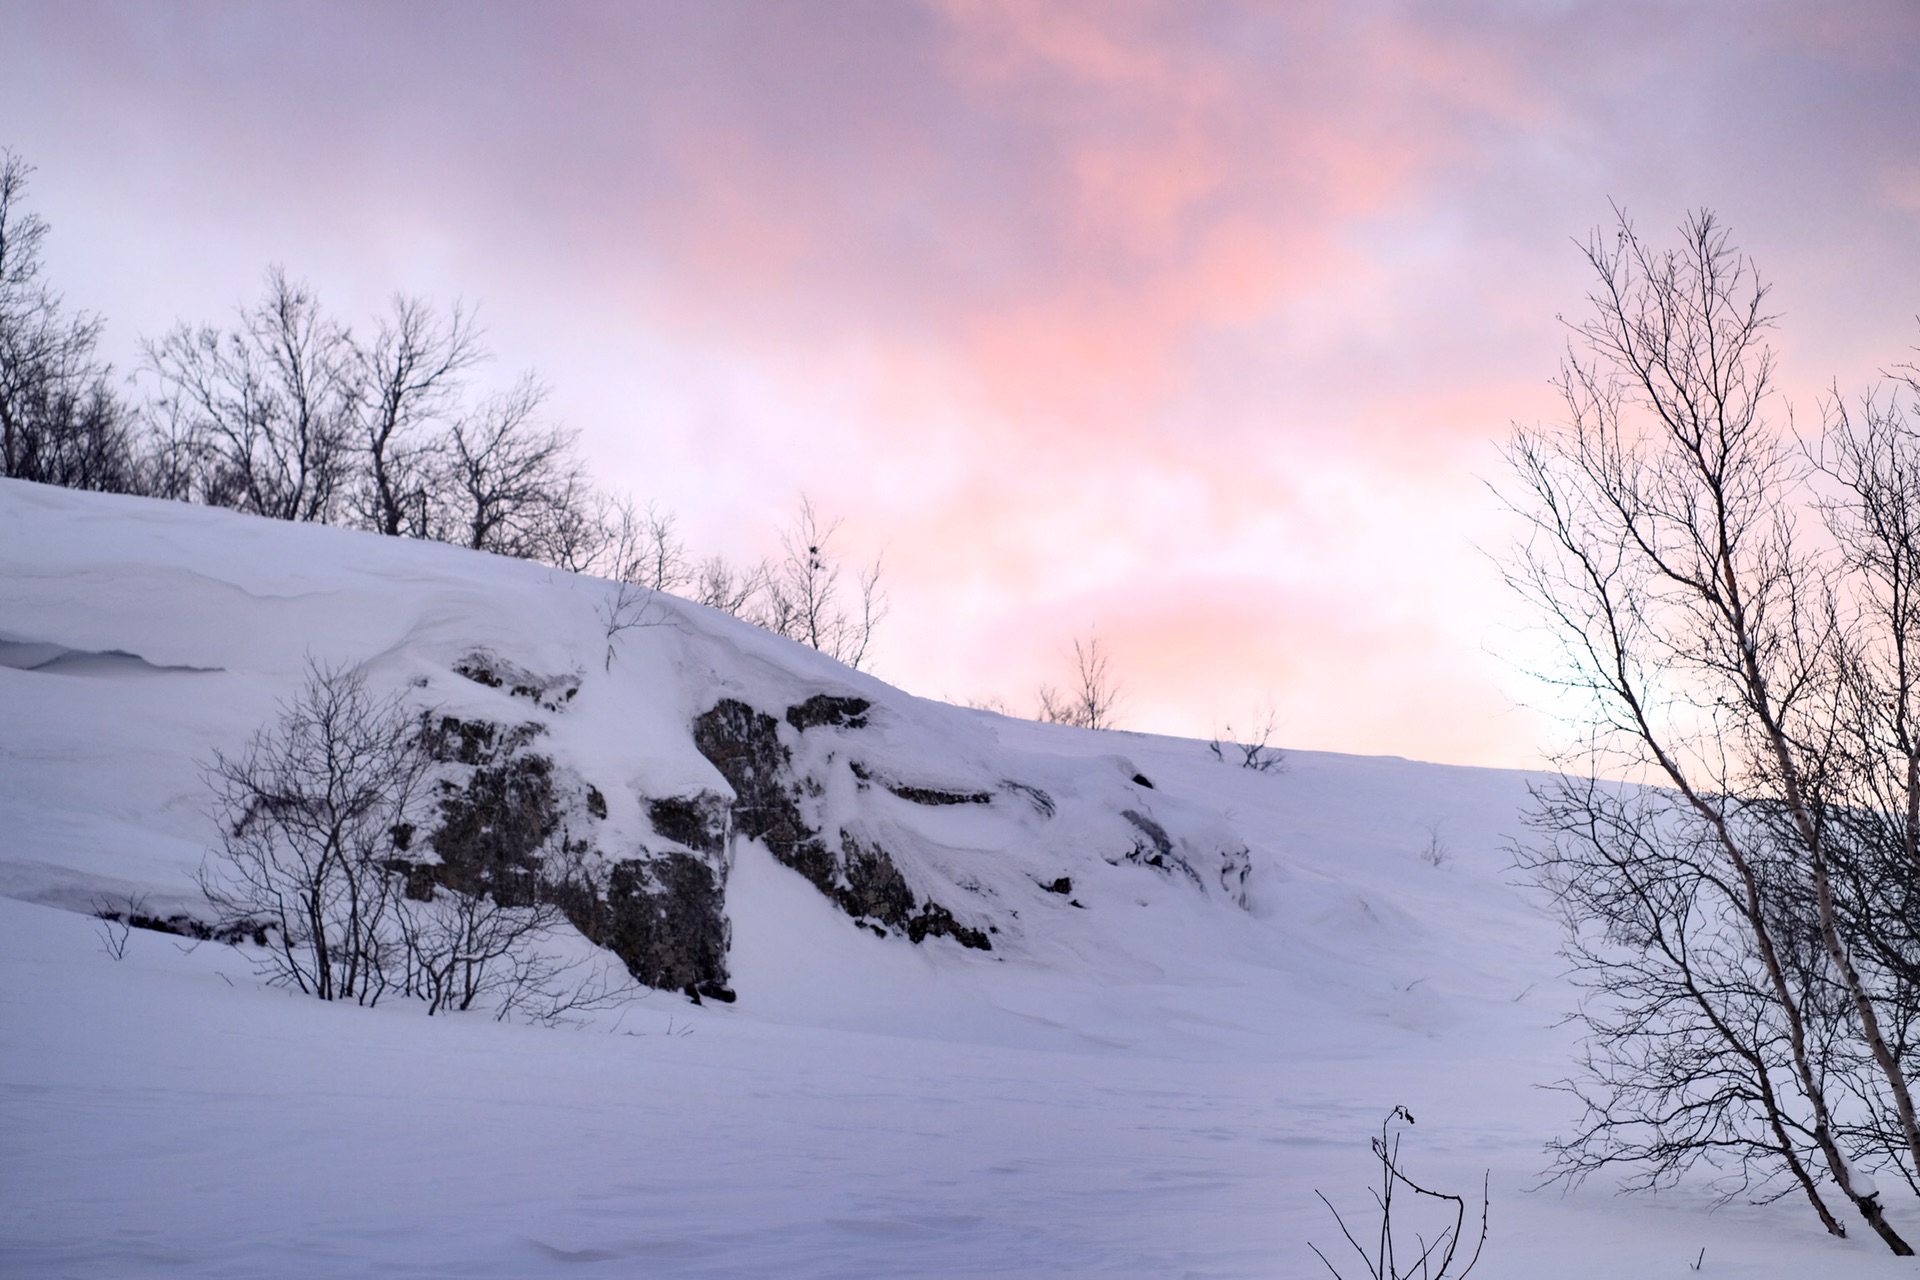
[
  {"x": 310, "y": 813},
  {"x": 116, "y": 924},
  {"x": 629, "y": 607},
  {"x": 1255, "y": 751},
  {"x": 468, "y": 948},
  {"x": 1093, "y": 700},
  {"x": 515, "y": 486},
  {"x": 719, "y": 585},
  {"x": 643, "y": 548},
  {"x": 1435, "y": 852},
  {"x": 318, "y": 815},
  {"x": 1392, "y": 1256}
]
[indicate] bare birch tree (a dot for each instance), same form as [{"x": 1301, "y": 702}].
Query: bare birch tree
[{"x": 1720, "y": 650}]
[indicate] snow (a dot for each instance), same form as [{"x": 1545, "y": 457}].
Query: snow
[{"x": 1151, "y": 1084}]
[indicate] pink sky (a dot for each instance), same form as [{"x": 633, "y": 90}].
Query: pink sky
[{"x": 1195, "y": 324}]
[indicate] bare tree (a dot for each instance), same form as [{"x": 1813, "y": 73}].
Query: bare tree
[
  {"x": 411, "y": 377},
  {"x": 60, "y": 422},
  {"x": 719, "y": 585},
  {"x": 805, "y": 597},
  {"x": 1093, "y": 699},
  {"x": 515, "y": 486},
  {"x": 644, "y": 549},
  {"x": 1691, "y": 1057},
  {"x": 311, "y": 812},
  {"x": 1722, "y": 653},
  {"x": 265, "y": 411}
]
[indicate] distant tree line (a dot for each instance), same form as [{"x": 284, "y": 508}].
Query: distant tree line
[{"x": 291, "y": 414}]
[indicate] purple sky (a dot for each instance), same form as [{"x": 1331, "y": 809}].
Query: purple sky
[{"x": 1193, "y": 323}]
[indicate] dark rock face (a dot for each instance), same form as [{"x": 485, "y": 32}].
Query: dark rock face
[
  {"x": 744, "y": 745},
  {"x": 936, "y": 921},
  {"x": 182, "y": 925},
  {"x": 698, "y": 822},
  {"x": 873, "y": 886},
  {"x": 513, "y": 825},
  {"x": 550, "y": 693},
  {"x": 1154, "y": 848},
  {"x": 827, "y": 709},
  {"x": 502, "y": 833},
  {"x": 861, "y": 878},
  {"x": 933, "y": 795},
  {"x": 666, "y": 917},
  {"x": 452, "y": 740},
  {"x": 1042, "y": 802},
  {"x": 494, "y": 829},
  {"x": 874, "y": 889}
]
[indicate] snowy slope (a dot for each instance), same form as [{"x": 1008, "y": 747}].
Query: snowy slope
[{"x": 1146, "y": 1075}]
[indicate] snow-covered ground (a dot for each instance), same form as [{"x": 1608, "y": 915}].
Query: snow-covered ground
[{"x": 1153, "y": 1083}]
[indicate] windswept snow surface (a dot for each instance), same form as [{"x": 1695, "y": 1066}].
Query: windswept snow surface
[{"x": 1152, "y": 1083}]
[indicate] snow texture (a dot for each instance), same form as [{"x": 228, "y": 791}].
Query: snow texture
[{"x": 1204, "y": 986}]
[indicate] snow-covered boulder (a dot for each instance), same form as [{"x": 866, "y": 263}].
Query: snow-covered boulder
[{"x": 616, "y": 767}]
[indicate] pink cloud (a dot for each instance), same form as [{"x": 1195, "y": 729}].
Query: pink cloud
[{"x": 1189, "y": 320}]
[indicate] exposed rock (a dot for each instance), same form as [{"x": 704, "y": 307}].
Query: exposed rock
[
  {"x": 829, "y": 709},
  {"x": 478, "y": 668},
  {"x": 936, "y": 921},
  {"x": 503, "y": 833},
  {"x": 1042, "y": 802},
  {"x": 513, "y": 825},
  {"x": 450, "y": 740},
  {"x": 550, "y": 693},
  {"x": 873, "y": 886},
  {"x": 182, "y": 925},
  {"x": 933, "y": 795},
  {"x": 1157, "y": 849},
  {"x": 860, "y": 876},
  {"x": 666, "y": 917},
  {"x": 698, "y": 821},
  {"x": 494, "y": 829}
]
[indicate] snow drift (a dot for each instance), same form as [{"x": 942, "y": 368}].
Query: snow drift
[
  {"x": 1012, "y": 999},
  {"x": 644, "y": 732}
]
